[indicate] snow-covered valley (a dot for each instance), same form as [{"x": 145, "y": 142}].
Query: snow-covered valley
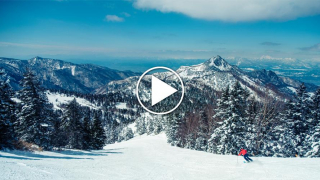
[{"x": 150, "y": 157}]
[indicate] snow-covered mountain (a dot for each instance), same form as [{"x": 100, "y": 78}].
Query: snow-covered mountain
[
  {"x": 303, "y": 70},
  {"x": 217, "y": 74},
  {"x": 58, "y": 74}
]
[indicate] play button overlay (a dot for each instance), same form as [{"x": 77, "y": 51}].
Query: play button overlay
[{"x": 160, "y": 90}]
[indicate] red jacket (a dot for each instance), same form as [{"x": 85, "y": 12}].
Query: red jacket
[{"x": 242, "y": 152}]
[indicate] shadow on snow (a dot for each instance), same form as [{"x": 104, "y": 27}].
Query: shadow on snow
[{"x": 67, "y": 154}]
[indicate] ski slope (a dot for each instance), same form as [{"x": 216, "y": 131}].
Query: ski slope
[{"x": 150, "y": 157}]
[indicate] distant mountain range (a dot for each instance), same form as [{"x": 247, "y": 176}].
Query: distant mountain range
[
  {"x": 219, "y": 74},
  {"x": 302, "y": 70},
  {"x": 216, "y": 73},
  {"x": 58, "y": 74}
]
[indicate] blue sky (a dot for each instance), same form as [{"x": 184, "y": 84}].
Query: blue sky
[{"x": 162, "y": 29}]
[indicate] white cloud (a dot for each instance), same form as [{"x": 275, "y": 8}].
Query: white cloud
[
  {"x": 114, "y": 18},
  {"x": 126, "y": 14},
  {"x": 235, "y": 10}
]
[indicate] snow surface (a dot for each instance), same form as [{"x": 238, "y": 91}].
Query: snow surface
[
  {"x": 73, "y": 70},
  {"x": 57, "y": 99},
  {"x": 292, "y": 89},
  {"x": 121, "y": 105},
  {"x": 150, "y": 157}
]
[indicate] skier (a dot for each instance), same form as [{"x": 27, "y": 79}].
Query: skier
[{"x": 245, "y": 155}]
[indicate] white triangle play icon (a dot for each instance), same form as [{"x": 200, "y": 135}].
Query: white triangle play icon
[{"x": 160, "y": 90}]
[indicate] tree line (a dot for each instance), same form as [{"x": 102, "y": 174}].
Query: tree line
[
  {"x": 32, "y": 119},
  {"x": 267, "y": 126}
]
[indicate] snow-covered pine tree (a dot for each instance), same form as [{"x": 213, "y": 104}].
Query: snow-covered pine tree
[
  {"x": 112, "y": 132},
  {"x": 58, "y": 138},
  {"x": 313, "y": 138},
  {"x": 222, "y": 112},
  {"x": 190, "y": 142},
  {"x": 251, "y": 118},
  {"x": 99, "y": 135},
  {"x": 202, "y": 132},
  {"x": 150, "y": 126},
  {"x": 7, "y": 117},
  {"x": 119, "y": 132},
  {"x": 293, "y": 132},
  {"x": 265, "y": 116},
  {"x": 239, "y": 98},
  {"x": 71, "y": 125},
  {"x": 223, "y": 101},
  {"x": 300, "y": 118},
  {"x": 230, "y": 136},
  {"x": 172, "y": 131},
  {"x": 287, "y": 133},
  {"x": 87, "y": 134},
  {"x": 316, "y": 107},
  {"x": 141, "y": 125},
  {"x": 313, "y": 141},
  {"x": 127, "y": 134},
  {"x": 35, "y": 119},
  {"x": 282, "y": 139},
  {"x": 157, "y": 125}
]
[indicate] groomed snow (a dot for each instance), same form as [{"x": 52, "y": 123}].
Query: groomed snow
[{"x": 150, "y": 157}]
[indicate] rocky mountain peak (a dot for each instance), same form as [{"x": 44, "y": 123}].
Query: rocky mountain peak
[{"x": 219, "y": 63}]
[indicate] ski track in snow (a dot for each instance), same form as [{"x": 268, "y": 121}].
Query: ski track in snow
[{"x": 150, "y": 157}]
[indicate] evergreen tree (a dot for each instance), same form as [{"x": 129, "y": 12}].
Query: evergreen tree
[
  {"x": 231, "y": 134},
  {"x": 299, "y": 117},
  {"x": 127, "y": 134},
  {"x": 87, "y": 134},
  {"x": 150, "y": 126},
  {"x": 316, "y": 107},
  {"x": 7, "y": 107},
  {"x": 202, "y": 132},
  {"x": 157, "y": 125},
  {"x": 313, "y": 138},
  {"x": 71, "y": 125},
  {"x": 58, "y": 139},
  {"x": 282, "y": 141},
  {"x": 314, "y": 142},
  {"x": 98, "y": 132},
  {"x": 35, "y": 118},
  {"x": 264, "y": 116},
  {"x": 111, "y": 133},
  {"x": 172, "y": 131},
  {"x": 292, "y": 133},
  {"x": 141, "y": 126},
  {"x": 190, "y": 141}
]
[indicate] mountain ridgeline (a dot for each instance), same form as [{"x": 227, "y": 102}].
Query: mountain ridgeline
[
  {"x": 217, "y": 74},
  {"x": 60, "y": 75},
  {"x": 87, "y": 78}
]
